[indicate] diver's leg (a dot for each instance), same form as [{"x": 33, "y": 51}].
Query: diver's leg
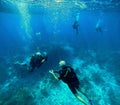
[
  {"x": 77, "y": 31},
  {"x": 73, "y": 89},
  {"x": 80, "y": 99},
  {"x": 81, "y": 91},
  {"x": 89, "y": 100}
]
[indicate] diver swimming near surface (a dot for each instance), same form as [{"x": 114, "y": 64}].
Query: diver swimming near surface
[
  {"x": 98, "y": 26},
  {"x": 76, "y": 24}
]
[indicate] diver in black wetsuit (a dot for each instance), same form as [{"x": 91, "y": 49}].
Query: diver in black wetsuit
[
  {"x": 35, "y": 61},
  {"x": 76, "y": 24},
  {"x": 98, "y": 26},
  {"x": 67, "y": 75}
]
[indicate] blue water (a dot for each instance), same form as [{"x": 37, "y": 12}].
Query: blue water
[{"x": 95, "y": 56}]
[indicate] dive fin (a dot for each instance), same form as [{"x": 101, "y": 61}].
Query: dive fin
[{"x": 90, "y": 101}]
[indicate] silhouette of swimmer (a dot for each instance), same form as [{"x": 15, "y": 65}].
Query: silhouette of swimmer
[
  {"x": 98, "y": 27},
  {"x": 76, "y": 24}
]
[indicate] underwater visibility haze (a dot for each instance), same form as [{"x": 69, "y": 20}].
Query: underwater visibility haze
[{"x": 84, "y": 33}]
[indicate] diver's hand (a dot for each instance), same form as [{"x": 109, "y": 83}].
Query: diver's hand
[
  {"x": 43, "y": 61},
  {"x": 51, "y": 71}
]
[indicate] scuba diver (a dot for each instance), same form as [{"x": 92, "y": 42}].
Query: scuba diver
[
  {"x": 35, "y": 61},
  {"x": 67, "y": 75},
  {"x": 98, "y": 27},
  {"x": 76, "y": 24}
]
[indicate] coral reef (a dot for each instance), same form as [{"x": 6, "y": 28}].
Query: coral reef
[{"x": 17, "y": 96}]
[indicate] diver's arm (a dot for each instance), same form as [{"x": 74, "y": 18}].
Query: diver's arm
[
  {"x": 19, "y": 63},
  {"x": 52, "y": 72},
  {"x": 81, "y": 99}
]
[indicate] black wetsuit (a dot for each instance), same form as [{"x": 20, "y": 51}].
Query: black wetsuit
[
  {"x": 76, "y": 26},
  {"x": 68, "y": 76},
  {"x": 36, "y": 61}
]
